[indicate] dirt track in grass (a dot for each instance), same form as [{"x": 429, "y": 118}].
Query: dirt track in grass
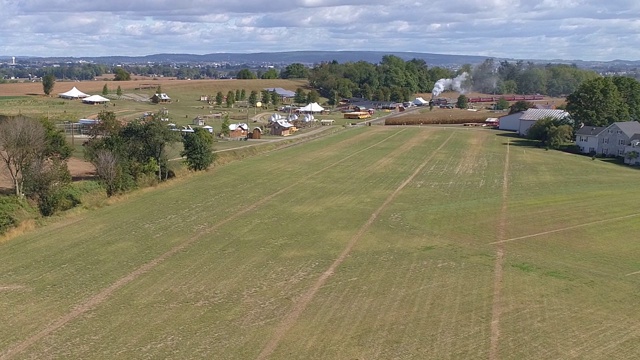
[
  {"x": 304, "y": 301},
  {"x": 498, "y": 271},
  {"x": 107, "y": 292}
]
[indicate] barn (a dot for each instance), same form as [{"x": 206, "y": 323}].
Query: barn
[{"x": 510, "y": 122}]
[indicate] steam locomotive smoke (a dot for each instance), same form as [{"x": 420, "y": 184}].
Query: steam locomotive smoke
[{"x": 449, "y": 84}]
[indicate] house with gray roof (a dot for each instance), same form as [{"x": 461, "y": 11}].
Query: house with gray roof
[
  {"x": 588, "y": 138},
  {"x": 615, "y": 138},
  {"x": 283, "y": 93},
  {"x": 530, "y": 116}
]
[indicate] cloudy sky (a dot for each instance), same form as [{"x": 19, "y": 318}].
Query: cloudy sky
[{"x": 523, "y": 29}]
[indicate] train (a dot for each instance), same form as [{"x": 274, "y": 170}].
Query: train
[
  {"x": 506, "y": 97},
  {"x": 489, "y": 99}
]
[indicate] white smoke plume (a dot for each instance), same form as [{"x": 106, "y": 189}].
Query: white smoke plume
[{"x": 454, "y": 84}]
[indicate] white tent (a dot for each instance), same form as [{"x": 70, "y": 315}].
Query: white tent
[
  {"x": 73, "y": 94},
  {"x": 275, "y": 117},
  {"x": 419, "y": 101},
  {"x": 312, "y": 107},
  {"x": 95, "y": 99}
]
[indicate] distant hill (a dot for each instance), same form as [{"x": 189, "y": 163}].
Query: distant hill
[
  {"x": 315, "y": 57},
  {"x": 288, "y": 57}
]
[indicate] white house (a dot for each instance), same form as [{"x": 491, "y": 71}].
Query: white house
[
  {"x": 612, "y": 140},
  {"x": 587, "y": 138},
  {"x": 530, "y": 117}
]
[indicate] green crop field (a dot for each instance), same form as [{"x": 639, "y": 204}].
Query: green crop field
[{"x": 371, "y": 243}]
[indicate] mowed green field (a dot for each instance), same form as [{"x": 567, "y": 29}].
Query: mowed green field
[{"x": 373, "y": 243}]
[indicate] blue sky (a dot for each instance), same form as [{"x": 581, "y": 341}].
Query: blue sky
[{"x": 536, "y": 29}]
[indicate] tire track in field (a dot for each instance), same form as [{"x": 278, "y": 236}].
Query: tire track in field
[
  {"x": 565, "y": 228},
  {"x": 292, "y": 317},
  {"x": 498, "y": 269},
  {"x": 107, "y": 292}
]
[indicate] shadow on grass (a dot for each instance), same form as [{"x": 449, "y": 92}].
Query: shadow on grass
[{"x": 515, "y": 140}]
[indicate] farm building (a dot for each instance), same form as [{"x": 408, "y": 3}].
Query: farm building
[
  {"x": 198, "y": 121},
  {"x": 530, "y": 117},
  {"x": 238, "y": 130},
  {"x": 256, "y": 133},
  {"x": 282, "y": 128},
  {"x": 283, "y": 93},
  {"x": 357, "y": 115},
  {"x": 160, "y": 98},
  {"x": 510, "y": 122}
]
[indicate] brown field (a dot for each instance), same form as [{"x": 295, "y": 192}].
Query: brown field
[{"x": 206, "y": 86}]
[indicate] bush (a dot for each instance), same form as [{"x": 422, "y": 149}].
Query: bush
[{"x": 13, "y": 211}]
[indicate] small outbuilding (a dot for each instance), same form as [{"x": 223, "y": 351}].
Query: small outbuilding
[
  {"x": 256, "y": 133},
  {"x": 238, "y": 130},
  {"x": 198, "y": 121},
  {"x": 160, "y": 98},
  {"x": 282, "y": 128}
]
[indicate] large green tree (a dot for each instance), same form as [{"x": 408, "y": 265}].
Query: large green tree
[
  {"x": 629, "y": 89},
  {"x": 121, "y": 75},
  {"x": 270, "y": 74},
  {"x": 231, "y": 98},
  {"x": 48, "y": 82},
  {"x": 300, "y": 96},
  {"x": 245, "y": 74},
  {"x": 294, "y": 71},
  {"x": 597, "y": 102},
  {"x": 462, "y": 102},
  {"x": 219, "y": 98},
  {"x": 253, "y": 98},
  {"x": 551, "y": 132},
  {"x": 198, "y": 150}
]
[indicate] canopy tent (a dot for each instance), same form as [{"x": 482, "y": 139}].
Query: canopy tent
[
  {"x": 73, "y": 94},
  {"x": 95, "y": 99},
  {"x": 311, "y": 108},
  {"x": 419, "y": 101}
]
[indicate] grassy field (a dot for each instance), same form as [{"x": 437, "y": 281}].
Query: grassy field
[
  {"x": 372, "y": 243},
  {"x": 28, "y": 98}
]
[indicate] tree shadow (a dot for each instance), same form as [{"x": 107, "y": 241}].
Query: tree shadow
[{"x": 515, "y": 140}]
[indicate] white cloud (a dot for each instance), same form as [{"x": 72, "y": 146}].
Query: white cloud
[{"x": 569, "y": 29}]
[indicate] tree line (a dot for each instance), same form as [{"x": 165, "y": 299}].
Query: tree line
[{"x": 394, "y": 79}]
